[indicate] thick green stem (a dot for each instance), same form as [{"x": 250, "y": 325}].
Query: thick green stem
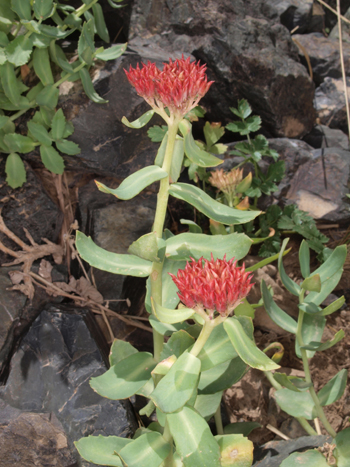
[
  {"x": 218, "y": 421},
  {"x": 158, "y": 226},
  {"x": 169, "y": 461},
  {"x": 303, "y": 352},
  {"x": 209, "y": 325}
]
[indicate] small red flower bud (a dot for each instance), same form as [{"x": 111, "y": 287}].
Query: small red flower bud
[
  {"x": 179, "y": 86},
  {"x": 216, "y": 286}
]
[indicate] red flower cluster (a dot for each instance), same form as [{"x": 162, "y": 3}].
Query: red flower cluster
[
  {"x": 179, "y": 86},
  {"x": 215, "y": 286}
]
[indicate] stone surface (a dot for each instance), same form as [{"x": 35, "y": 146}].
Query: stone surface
[
  {"x": 345, "y": 29},
  {"x": 294, "y": 13},
  {"x": 51, "y": 370},
  {"x": 247, "y": 55},
  {"x": 29, "y": 207},
  {"x": 322, "y": 136},
  {"x": 32, "y": 439},
  {"x": 330, "y": 103},
  {"x": 323, "y": 53},
  {"x": 274, "y": 452}
]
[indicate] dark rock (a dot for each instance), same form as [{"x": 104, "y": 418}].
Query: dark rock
[
  {"x": 27, "y": 207},
  {"x": 32, "y": 439},
  {"x": 324, "y": 56},
  {"x": 274, "y": 452},
  {"x": 247, "y": 57},
  {"x": 330, "y": 18},
  {"x": 50, "y": 372},
  {"x": 322, "y": 136},
  {"x": 345, "y": 29},
  {"x": 330, "y": 103}
]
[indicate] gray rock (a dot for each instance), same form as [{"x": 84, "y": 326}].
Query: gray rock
[
  {"x": 330, "y": 103},
  {"x": 345, "y": 29},
  {"x": 322, "y": 136},
  {"x": 50, "y": 372},
  {"x": 294, "y": 13},
  {"x": 323, "y": 53},
  {"x": 247, "y": 55},
  {"x": 31, "y": 439}
]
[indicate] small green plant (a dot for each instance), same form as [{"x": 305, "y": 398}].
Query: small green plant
[
  {"x": 298, "y": 396},
  {"x": 32, "y": 67}
]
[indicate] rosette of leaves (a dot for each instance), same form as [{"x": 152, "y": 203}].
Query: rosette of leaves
[{"x": 30, "y": 32}]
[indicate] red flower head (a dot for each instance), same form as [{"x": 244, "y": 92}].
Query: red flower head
[
  {"x": 215, "y": 286},
  {"x": 179, "y": 86}
]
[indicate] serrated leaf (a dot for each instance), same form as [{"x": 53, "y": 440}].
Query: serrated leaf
[
  {"x": 15, "y": 171},
  {"x": 112, "y": 53},
  {"x": 22, "y": 8},
  {"x": 101, "y": 449},
  {"x": 156, "y": 133},
  {"x": 19, "y": 50},
  {"x": 42, "y": 8},
  {"x": 212, "y": 133},
  {"x": 19, "y": 143},
  {"x": 42, "y": 66},
  {"x": 68, "y": 147},
  {"x": 246, "y": 348},
  {"x": 135, "y": 183},
  {"x": 40, "y": 133},
  {"x": 9, "y": 83},
  {"x": 139, "y": 122},
  {"x": 208, "y": 206},
  {"x": 89, "y": 87},
  {"x": 58, "y": 125},
  {"x": 73, "y": 20},
  {"x": 86, "y": 46},
  {"x": 51, "y": 159},
  {"x": 48, "y": 97}
]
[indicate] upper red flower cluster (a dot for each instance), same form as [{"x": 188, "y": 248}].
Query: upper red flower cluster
[
  {"x": 179, "y": 86},
  {"x": 215, "y": 286}
]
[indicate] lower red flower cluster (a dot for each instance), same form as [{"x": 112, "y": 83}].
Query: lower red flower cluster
[{"x": 217, "y": 285}]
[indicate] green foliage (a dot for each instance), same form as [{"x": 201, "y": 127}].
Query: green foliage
[{"x": 28, "y": 36}]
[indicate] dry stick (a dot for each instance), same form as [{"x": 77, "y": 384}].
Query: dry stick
[
  {"x": 277, "y": 432},
  {"x": 330, "y": 8},
  {"x": 82, "y": 299},
  {"x": 343, "y": 67},
  {"x": 12, "y": 236}
]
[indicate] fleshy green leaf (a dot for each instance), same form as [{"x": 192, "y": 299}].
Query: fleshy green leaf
[
  {"x": 22, "y": 8},
  {"x": 334, "y": 306},
  {"x": 120, "y": 350},
  {"x": 112, "y": 262},
  {"x": 221, "y": 377},
  {"x": 287, "y": 382},
  {"x": 208, "y": 206},
  {"x": 193, "y": 152},
  {"x": 193, "y": 227},
  {"x": 207, "y": 404},
  {"x": 342, "y": 450},
  {"x": 42, "y": 8},
  {"x": 177, "y": 386},
  {"x": 100, "y": 23},
  {"x": 312, "y": 458},
  {"x": 86, "y": 46},
  {"x": 112, "y": 53},
  {"x": 312, "y": 330},
  {"x": 236, "y": 450},
  {"x": 148, "y": 450},
  {"x": 145, "y": 247},
  {"x": 101, "y": 449},
  {"x": 89, "y": 87},
  {"x": 169, "y": 316},
  {"x": 186, "y": 245},
  {"x": 334, "y": 389},
  {"x": 246, "y": 348},
  {"x": 218, "y": 349},
  {"x": 312, "y": 283},
  {"x": 51, "y": 159},
  {"x": 195, "y": 444},
  {"x": 244, "y": 428},
  {"x": 125, "y": 378},
  {"x": 289, "y": 284},
  {"x": 297, "y": 404},
  {"x": 177, "y": 344},
  {"x": 135, "y": 183},
  {"x": 140, "y": 122},
  {"x": 15, "y": 171},
  {"x": 304, "y": 259},
  {"x": 310, "y": 308}
]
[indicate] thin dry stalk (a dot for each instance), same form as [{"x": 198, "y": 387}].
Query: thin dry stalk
[{"x": 331, "y": 9}]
